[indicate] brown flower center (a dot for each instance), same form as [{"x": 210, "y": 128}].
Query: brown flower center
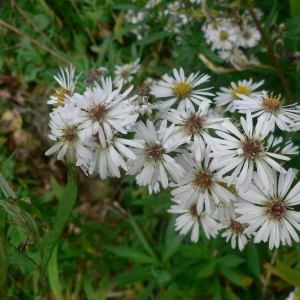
[
  {"x": 276, "y": 209},
  {"x": 97, "y": 113},
  {"x": 247, "y": 35},
  {"x": 193, "y": 124},
  {"x": 70, "y": 133},
  {"x": 236, "y": 227},
  {"x": 252, "y": 148},
  {"x": 272, "y": 104},
  {"x": 156, "y": 152},
  {"x": 203, "y": 180},
  {"x": 182, "y": 89},
  {"x": 193, "y": 210},
  {"x": 240, "y": 90},
  {"x": 125, "y": 73}
]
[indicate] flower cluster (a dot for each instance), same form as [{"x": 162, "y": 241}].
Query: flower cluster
[
  {"x": 225, "y": 175},
  {"x": 229, "y": 35}
]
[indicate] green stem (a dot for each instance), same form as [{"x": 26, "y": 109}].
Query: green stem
[{"x": 268, "y": 276}]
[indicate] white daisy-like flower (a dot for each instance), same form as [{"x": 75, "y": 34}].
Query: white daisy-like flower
[
  {"x": 287, "y": 147},
  {"x": 200, "y": 182},
  {"x": 68, "y": 140},
  {"x": 124, "y": 73},
  {"x": 243, "y": 152},
  {"x": 228, "y": 95},
  {"x": 190, "y": 220},
  {"x": 271, "y": 107},
  {"x": 182, "y": 89},
  {"x": 192, "y": 128},
  {"x": 270, "y": 214},
  {"x": 236, "y": 232},
  {"x": 67, "y": 85},
  {"x": 224, "y": 37},
  {"x": 153, "y": 162},
  {"x": 249, "y": 36},
  {"x": 259, "y": 14},
  {"x": 232, "y": 55},
  {"x": 107, "y": 160},
  {"x": 103, "y": 111}
]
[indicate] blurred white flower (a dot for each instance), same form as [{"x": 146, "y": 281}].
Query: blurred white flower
[{"x": 124, "y": 73}]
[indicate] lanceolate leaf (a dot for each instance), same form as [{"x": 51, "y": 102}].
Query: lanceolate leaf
[
  {"x": 63, "y": 213},
  {"x": 16, "y": 257},
  {"x": 3, "y": 264},
  {"x": 6, "y": 189}
]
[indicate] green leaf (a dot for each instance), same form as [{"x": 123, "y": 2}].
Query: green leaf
[
  {"x": 127, "y": 29},
  {"x": 230, "y": 260},
  {"x": 207, "y": 269},
  {"x": 130, "y": 253},
  {"x": 252, "y": 260},
  {"x": 15, "y": 257},
  {"x": 6, "y": 189},
  {"x": 151, "y": 38},
  {"x": 295, "y": 7},
  {"x": 172, "y": 246},
  {"x": 232, "y": 275},
  {"x": 3, "y": 264},
  {"x": 286, "y": 273},
  {"x": 154, "y": 201},
  {"x": 64, "y": 211},
  {"x": 229, "y": 295},
  {"x": 216, "y": 292},
  {"x": 52, "y": 270},
  {"x": 141, "y": 237},
  {"x": 135, "y": 275},
  {"x": 147, "y": 292}
]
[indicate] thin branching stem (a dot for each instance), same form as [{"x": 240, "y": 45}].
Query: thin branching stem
[
  {"x": 270, "y": 47},
  {"x": 269, "y": 273}
]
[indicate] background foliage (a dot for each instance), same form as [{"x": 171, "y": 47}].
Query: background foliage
[{"x": 119, "y": 242}]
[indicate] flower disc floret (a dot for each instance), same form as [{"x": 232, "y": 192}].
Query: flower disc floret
[
  {"x": 275, "y": 209},
  {"x": 182, "y": 89},
  {"x": 156, "y": 152},
  {"x": 252, "y": 148},
  {"x": 193, "y": 124},
  {"x": 241, "y": 89},
  {"x": 272, "y": 103},
  {"x": 236, "y": 227},
  {"x": 203, "y": 180}
]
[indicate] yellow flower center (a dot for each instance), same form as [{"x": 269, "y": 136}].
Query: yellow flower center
[
  {"x": 240, "y": 90},
  {"x": 182, "y": 89},
  {"x": 272, "y": 104},
  {"x": 224, "y": 35},
  {"x": 61, "y": 96}
]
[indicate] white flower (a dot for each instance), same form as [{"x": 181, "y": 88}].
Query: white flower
[
  {"x": 249, "y": 37},
  {"x": 287, "y": 147},
  {"x": 67, "y": 86},
  {"x": 107, "y": 160},
  {"x": 182, "y": 89},
  {"x": 103, "y": 112},
  {"x": 242, "y": 152},
  {"x": 271, "y": 107},
  {"x": 124, "y": 73},
  {"x": 68, "y": 140},
  {"x": 236, "y": 232},
  {"x": 153, "y": 162},
  {"x": 192, "y": 128},
  {"x": 200, "y": 182},
  {"x": 270, "y": 214},
  {"x": 190, "y": 220},
  {"x": 242, "y": 88}
]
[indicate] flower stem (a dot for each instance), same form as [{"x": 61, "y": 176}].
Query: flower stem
[
  {"x": 270, "y": 47},
  {"x": 268, "y": 276}
]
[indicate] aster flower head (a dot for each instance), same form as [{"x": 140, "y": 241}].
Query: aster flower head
[
  {"x": 249, "y": 36},
  {"x": 189, "y": 220},
  {"x": 153, "y": 162},
  {"x": 282, "y": 147},
  {"x": 182, "y": 89},
  {"x": 271, "y": 107},
  {"x": 103, "y": 111},
  {"x": 67, "y": 85},
  {"x": 228, "y": 95},
  {"x": 192, "y": 128},
  {"x": 68, "y": 141},
  {"x": 270, "y": 213},
  {"x": 124, "y": 73},
  {"x": 242, "y": 152},
  {"x": 236, "y": 232},
  {"x": 200, "y": 182}
]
